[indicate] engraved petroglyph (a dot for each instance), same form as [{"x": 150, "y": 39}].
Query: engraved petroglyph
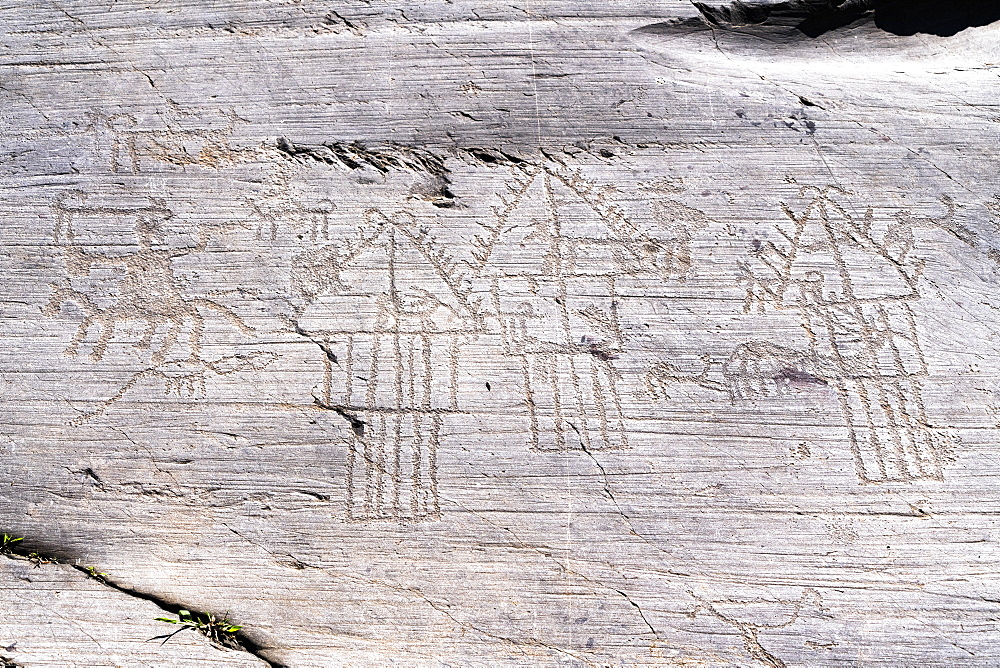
[
  {"x": 184, "y": 138},
  {"x": 854, "y": 292},
  {"x": 467, "y": 237},
  {"x": 853, "y": 289},
  {"x": 753, "y": 369},
  {"x": 769, "y": 615},
  {"x": 129, "y": 281},
  {"x": 554, "y": 252},
  {"x": 280, "y": 208},
  {"x": 389, "y": 309},
  {"x": 185, "y": 377}
]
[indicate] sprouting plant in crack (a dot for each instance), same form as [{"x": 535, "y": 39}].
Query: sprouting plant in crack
[
  {"x": 37, "y": 559},
  {"x": 9, "y": 548},
  {"x": 220, "y": 631},
  {"x": 96, "y": 575},
  {"x": 7, "y": 543}
]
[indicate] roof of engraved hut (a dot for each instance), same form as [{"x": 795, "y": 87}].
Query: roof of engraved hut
[
  {"x": 393, "y": 277},
  {"x": 562, "y": 226},
  {"x": 839, "y": 246}
]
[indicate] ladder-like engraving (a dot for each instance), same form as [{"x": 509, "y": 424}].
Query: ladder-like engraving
[
  {"x": 555, "y": 252},
  {"x": 390, "y": 310}
]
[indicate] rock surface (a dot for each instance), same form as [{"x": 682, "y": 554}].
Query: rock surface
[{"x": 560, "y": 333}]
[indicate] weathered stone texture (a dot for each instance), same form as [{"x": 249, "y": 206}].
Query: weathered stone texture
[{"x": 548, "y": 334}]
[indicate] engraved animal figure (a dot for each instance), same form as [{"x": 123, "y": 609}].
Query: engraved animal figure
[
  {"x": 203, "y": 142},
  {"x": 758, "y": 616},
  {"x": 130, "y": 281},
  {"x": 389, "y": 309},
  {"x": 279, "y": 208},
  {"x": 853, "y": 290},
  {"x": 115, "y": 288},
  {"x": 673, "y": 255},
  {"x": 755, "y": 369},
  {"x": 555, "y": 252}
]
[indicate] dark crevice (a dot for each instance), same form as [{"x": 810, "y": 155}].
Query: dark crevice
[
  {"x": 935, "y": 17},
  {"x": 315, "y": 495},
  {"x": 393, "y": 156},
  {"x": 436, "y": 190},
  {"x": 382, "y": 157},
  {"x": 239, "y": 640},
  {"x": 445, "y": 198},
  {"x": 324, "y": 346},
  {"x": 493, "y": 156},
  {"x": 431, "y": 162},
  {"x": 330, "y": 355},
  {"x": 813, "y": 18},
  {"x": 387, "y": 156},
  {"x": 357, "y": 424}
]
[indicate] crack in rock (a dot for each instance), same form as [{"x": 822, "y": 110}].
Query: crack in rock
[
  {"x": 383, "y": 157},
  {"x": 814, "y": 18},
  {"x": 241, "y": 641},
  {"x": 357, "y": 424}
]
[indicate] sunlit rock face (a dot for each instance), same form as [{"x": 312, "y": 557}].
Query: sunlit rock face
[{"x": 468, "y": 334}]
